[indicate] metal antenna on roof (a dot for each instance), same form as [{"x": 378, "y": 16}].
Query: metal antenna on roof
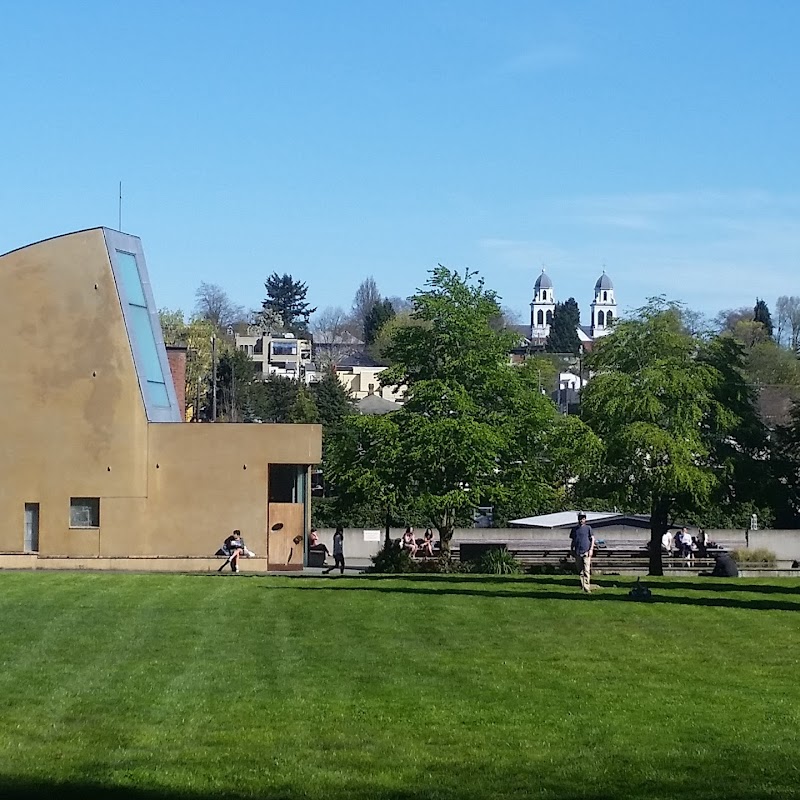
[{"x": 120, "y": 207}]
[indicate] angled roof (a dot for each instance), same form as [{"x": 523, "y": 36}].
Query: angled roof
[
  {"x": 568, "y": 519},
  {"x": 374, "y": 405}
]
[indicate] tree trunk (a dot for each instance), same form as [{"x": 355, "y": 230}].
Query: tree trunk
[
  {"x": 659, "y": 523},
  {"x": 445, "y": 528}
]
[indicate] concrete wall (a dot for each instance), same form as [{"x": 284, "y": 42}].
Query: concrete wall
[
  {"x": 785, "y": 544},
  {"x": 357, "y": 547},
  {"x": 74, "y": 425}
]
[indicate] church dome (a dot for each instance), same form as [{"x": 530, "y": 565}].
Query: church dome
[
  {"x": 603, "y": 282},
  {"x": 543, "y": 282}
]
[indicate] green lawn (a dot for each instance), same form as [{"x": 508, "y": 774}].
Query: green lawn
[{"x": 141, "y": 687}]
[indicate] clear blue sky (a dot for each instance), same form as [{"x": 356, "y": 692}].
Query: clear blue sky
[{"x": 338, "y": 140}]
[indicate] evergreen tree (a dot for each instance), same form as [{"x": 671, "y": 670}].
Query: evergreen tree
[
  {"x": 234, "y": 383},
  {"x": 303, "y": 409},
  {"x": 287, "y": 297},
  {"x": 380, "y": 313},
  {"x": 333, "y": 401},
  {"x": 563, "y": 336},
  {"x": 761, "y": 314},
  {"x": 274, "y": 398}
]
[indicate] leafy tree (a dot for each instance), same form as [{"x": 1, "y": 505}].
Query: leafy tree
[
  {"x": 788, "y": 466},
  {"x": 173, "y": 326},
  {"x": 384, "y": 336},
  {"x": 287, "y": 298},
  {"x": 196, "y": 336},
  {"x": 773, "y": 371},
  {"x": 761, "y": 314},
  {"x": 454, "y": 342},
  {"x": 543, "y": 371},
  {"x": 213, "y": 304},
  {"x": 659, "y": 403},
  {"x": 749, "y": 333},
  {"x": 563, "y": 337},
  {"x": 380, "y": 313},
  {"x": 473, "y": 430}
]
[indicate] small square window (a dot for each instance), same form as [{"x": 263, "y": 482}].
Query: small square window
[{"x": 84, "y": 512}]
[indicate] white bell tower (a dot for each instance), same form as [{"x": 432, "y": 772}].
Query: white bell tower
[
  {"x": 542, "y": 307},
  {"x": 604, "y": 307}
]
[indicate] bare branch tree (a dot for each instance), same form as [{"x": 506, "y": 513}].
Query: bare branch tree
[
  {"x": 728, "y": 318},
  {"x": 787, "y": 330},
  {"x": 213, "y": 304},
  {"x": 333, "y": 337},
  {"x": 367, "y": 295},
  {"x": 401, "y": 304},
  {"x": 696, "y": 323}
]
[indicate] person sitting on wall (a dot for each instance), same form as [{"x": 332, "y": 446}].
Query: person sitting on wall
[
  {"x": 315, "y": 544},
  {"x": 426, "y": 548},
  {"x": 685, "y": 543},
  {"x": 232, "y": 547},
  {"x": 317, "y": 551},
  {"x": 667, "y": 541},
  {"x": 408, "y": 542}
]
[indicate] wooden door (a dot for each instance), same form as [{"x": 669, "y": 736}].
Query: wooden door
[{"x": 286, "y": 535}]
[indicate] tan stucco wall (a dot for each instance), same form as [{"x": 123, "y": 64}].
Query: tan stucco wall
[
  {"x": 74, "y": 424},
  {"x": 73, "y": 419}
]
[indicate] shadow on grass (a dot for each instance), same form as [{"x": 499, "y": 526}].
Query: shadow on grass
[
  {"x": 699, "y": 585},
  {"x": 522, "y": 784},
  {"x": 666, "y": 582},
  {"x": 571, "y": 593}
]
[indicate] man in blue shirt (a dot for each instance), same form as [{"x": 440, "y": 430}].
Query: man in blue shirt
[{"x": 582, "y": 538}]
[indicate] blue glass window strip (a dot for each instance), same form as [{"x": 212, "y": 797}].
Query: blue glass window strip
[
  {"x": 131, "y": 281},
  {"x": 142, "y": 330},
  {"x": 157, "y": 393}
]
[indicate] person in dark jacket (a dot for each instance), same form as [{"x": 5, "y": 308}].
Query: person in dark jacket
[
  {"x": 338, "y": 551},
  {"x": 582, "y": 538},
  {"x": 725, "y": 566}
]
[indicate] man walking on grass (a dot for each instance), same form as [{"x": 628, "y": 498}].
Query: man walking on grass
[{"x": 582, "y": 538}]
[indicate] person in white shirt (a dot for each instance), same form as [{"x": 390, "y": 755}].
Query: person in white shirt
[
  {"x": 685, "y": 542},
  {"x": 667, "y": 542}
]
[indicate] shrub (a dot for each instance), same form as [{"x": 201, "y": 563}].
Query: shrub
[
  {"x": 443, "y": 566},
  {"x": 498, "y": 562},
  {"x": 392, "y": 559},
  {"x": 758, "y": 556}
]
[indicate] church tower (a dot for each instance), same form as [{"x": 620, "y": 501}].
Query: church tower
[
  {"x": 542, "y": 307},
  {"x": 604, "y": 307}
]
